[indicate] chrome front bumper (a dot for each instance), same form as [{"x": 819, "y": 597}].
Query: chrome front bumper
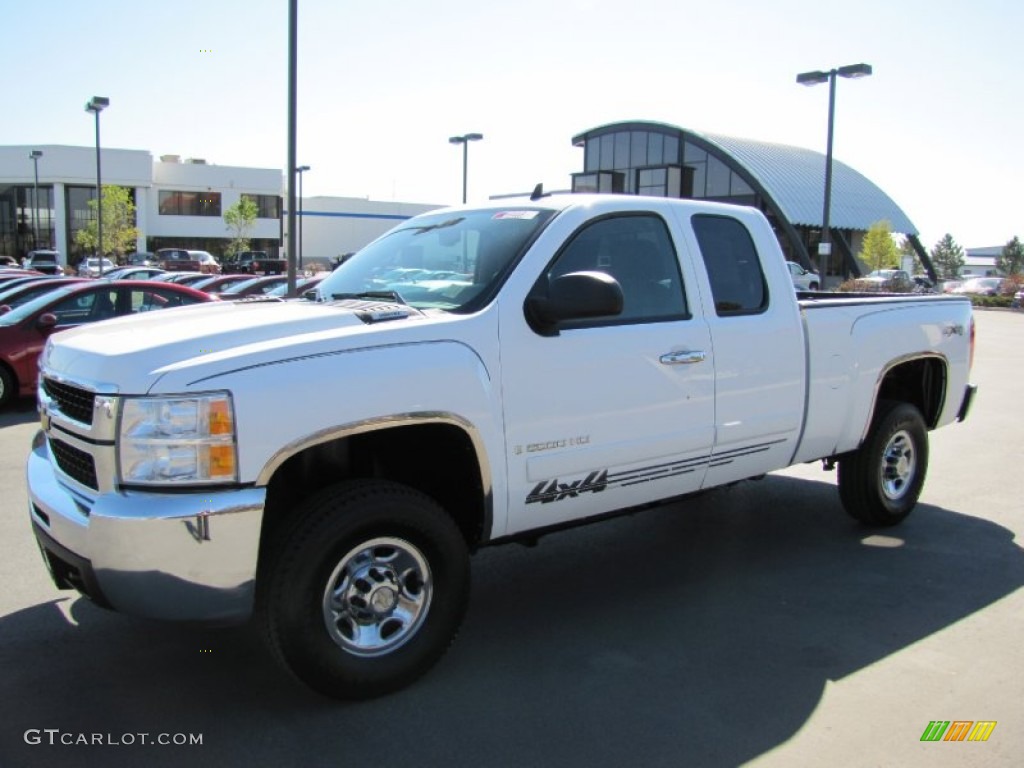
[{"x": 181, "y": 556}]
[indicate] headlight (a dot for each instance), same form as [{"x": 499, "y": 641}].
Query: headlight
[{"x": 177, "y": 440}]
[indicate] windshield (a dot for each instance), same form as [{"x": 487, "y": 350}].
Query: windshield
[
  {"x": 452, "y": 261},
  {"x": 18, "y": 314}
]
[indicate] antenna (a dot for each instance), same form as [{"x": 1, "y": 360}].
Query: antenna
[{"x": 538, "y": 192}]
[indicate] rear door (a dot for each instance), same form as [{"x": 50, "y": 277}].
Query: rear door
[{"x": 760, "y": 359}]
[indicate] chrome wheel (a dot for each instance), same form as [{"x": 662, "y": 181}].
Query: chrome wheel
[
  {"x": 377, "y": 597},
  {"x": 899, "y": 464},
  {"x": 880, "y": 482}
]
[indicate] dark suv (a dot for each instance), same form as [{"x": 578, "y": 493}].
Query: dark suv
[
  {"x": 254, "y": 263},
  {"x": 47, "y": 262}
]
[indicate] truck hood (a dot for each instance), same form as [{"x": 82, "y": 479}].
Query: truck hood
[{"x": 206, "y": 339}]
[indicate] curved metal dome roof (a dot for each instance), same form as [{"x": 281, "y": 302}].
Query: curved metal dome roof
[{"x": 795, "y": 178}]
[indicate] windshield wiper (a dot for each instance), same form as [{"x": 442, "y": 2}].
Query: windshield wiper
[
  {"x": 441, "y": 225},
  {"x": 392, "y": 296}
]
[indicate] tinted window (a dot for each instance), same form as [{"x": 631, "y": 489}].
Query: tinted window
[
  {"x": 148, "y": 299},
  {"x": 733, "y": 267},
  {"x": 86, "y": 307},
  {"x": 179, "y": 203},
  {"x": 635, "y": 250},
  {"x": 267, "y": 206}
]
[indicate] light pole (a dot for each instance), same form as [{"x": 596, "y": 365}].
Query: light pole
[
  {"x": 464, "y": 141},
  {"x": 96, "y": 105},
  {"x": 300, "y": 170},
  {"x": 34, "y": 156},
  {"x": 814, "y": 78}
]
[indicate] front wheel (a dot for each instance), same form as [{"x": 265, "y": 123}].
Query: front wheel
[
  {"x": 368, "y": 590},
  {"x": 8, "y": 386},
  {"x": 880, "y": 482}
]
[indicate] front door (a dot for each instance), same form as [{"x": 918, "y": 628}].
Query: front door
[{"x": 615, "y": 411}]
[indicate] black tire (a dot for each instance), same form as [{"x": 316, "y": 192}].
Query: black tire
[
  {"x": 879, "y": 483},
  {"x": 812, "y": 287},
  {"x": 398, "y": 569},
  {"x": 8, "y": 386}
]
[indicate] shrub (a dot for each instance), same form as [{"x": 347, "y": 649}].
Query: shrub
[{"x": 991, "y": 301}]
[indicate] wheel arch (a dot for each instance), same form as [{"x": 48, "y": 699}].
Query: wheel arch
[
  {"x": 15, "y": 382},
  {"x": 919, "y": 380},
  {"x": 438, "y": 454}
]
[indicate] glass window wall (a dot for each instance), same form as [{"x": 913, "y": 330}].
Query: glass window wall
[
  {"x": 182, "y": 203},
  {"x": 26, "y": 220},
  {"x": 654, "y": 163},
  {"x": 268, "y": 206}
]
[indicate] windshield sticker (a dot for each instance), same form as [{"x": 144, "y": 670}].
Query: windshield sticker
[{"x": 516, "y": 215}]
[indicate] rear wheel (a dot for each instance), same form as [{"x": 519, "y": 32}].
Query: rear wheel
[
  {"x": 879, "y": 484},
  {"x": 812, "y": 287},
  {"x": 368, "y": 590}
]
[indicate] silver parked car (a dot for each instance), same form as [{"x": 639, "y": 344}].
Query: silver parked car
[
  {"x": 982, "y": 286},
  {"x": 803, "y": 280},
  {"x": 94, "y": 267}
]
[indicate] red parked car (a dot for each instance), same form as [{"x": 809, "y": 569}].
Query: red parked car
[
  {"x": 8, "y": 275},
  {"x": 252, "y": 286},
  {"x": 302, "y": 285},
  {"x": 15, "y": 293},
  {"x": 24, "y": 330},
  {"x": 217, "y": 283}
]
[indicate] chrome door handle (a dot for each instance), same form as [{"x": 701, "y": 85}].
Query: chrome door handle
[{"x": 682, "y": 358}]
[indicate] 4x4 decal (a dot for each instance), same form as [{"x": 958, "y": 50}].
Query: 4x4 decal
[{"x": 547, "y": 491}]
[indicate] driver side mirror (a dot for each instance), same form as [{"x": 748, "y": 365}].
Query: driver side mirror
[
  {"x": 574, "y": 296},
  {"x": 46, "y": 321}
]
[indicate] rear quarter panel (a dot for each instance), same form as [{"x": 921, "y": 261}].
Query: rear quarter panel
[{"x": 852, "y": 344}]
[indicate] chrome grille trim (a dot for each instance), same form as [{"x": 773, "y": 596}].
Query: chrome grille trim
[
  {"x": 74, "y": 402},
  {"x": 75, "y": 463}
]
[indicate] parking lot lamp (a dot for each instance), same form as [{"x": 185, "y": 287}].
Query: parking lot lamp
[
  {"x": 814, "y": 78},
  {"x": 464, "y": 141},
  {"x": 96, "y": 105},
  {"x": 300, "y": 170},
  {"x": 34, "y": 156}
]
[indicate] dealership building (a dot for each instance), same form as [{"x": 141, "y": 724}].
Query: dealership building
[
  {"x": 786, "y": 183},
  {"x": 180, "y": 202}
]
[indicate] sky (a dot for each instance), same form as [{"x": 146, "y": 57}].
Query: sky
[{"x": 383, "y": 85}]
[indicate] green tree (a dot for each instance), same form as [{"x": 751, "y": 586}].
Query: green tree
[
  {"x": 947, "y": 257},
  {"x": 119, "y": 232},
  {"x": 240, "y": 219},
  {"x": 879, "y": 251},
  {"x": 1011, "y": 260}
]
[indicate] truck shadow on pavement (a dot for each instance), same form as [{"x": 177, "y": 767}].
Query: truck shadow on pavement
[
  {"x": 696, "y": 634},
  {"x": 19, "y": 411}
]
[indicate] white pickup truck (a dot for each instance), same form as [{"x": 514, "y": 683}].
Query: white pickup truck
[{"x": 477, "y": 375}]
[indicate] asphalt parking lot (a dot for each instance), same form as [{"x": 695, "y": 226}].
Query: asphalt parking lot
[{"x": 755, "y": 625}]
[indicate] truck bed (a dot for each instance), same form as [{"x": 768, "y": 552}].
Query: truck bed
[{"x": 850, "y": 343}]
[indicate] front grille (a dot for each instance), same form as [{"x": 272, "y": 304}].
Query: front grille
[
  {"x": 74, "y": 402},
  {"x": 75, "y": 463}
]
